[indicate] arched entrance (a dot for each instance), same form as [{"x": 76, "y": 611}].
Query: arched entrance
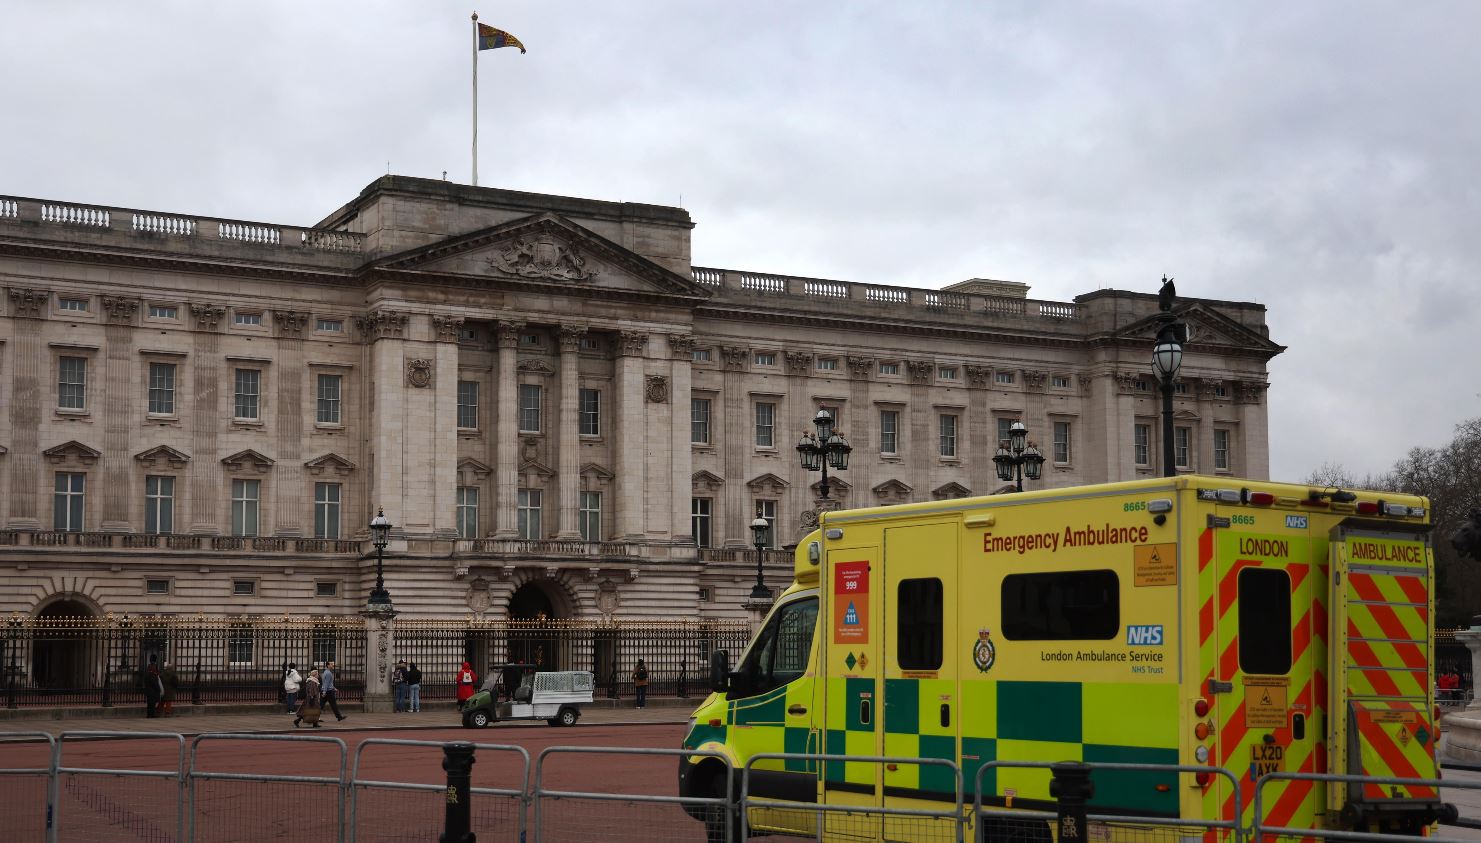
[
  {"x": 65, "y": 653},
  {"x": 536, "y": 634}
]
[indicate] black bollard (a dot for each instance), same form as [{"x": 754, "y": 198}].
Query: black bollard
[
  {"x": 457, "y": 760},
  {"x": 1072, "y": 787}
]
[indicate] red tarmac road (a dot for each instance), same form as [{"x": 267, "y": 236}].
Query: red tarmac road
[{"x": 102, "y": 808}]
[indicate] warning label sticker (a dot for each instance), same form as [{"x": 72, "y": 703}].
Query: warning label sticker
[
  {"x": 851, "y": 603},
  {"x": 1264, "y": 704},
  {"x": 1382, "y": 716},
  {"x": 1156, "y": 564}
]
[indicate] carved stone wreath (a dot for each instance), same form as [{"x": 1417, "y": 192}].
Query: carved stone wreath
[
  {"x": 542, "y": 258},
  {"x": 657, "y": 390},
  {"x": 419, "y": 373}
]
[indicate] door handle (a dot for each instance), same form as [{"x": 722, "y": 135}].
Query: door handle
[
  {"x": 796, "y": 710},
  {"x": 864, "y": 712},
  {"x": 946, "y": 714}
]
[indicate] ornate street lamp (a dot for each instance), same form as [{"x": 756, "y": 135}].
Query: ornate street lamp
[
  {"x": 826, "y": 448},
  {"x": 380, "y": 535},
  {"x": 1018, "y": 458},
  {"x": 759, "y": 530},
  {"x": 1167, "y": 358}
]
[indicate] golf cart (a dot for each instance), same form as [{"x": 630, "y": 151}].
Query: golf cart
[{"x": 521, "y": 692}]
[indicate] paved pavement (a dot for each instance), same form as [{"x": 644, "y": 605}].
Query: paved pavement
[{"x": 268, "y": 722}]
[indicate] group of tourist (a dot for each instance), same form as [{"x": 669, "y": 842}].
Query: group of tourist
[
  {"x": 161, "y": 682},
  {"x": 305, "y": 698},
  {"x": 406, "y": 685}
]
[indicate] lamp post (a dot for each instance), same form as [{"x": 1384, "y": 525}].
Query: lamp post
[
  {"x": 827, "y": 448},
  {"x": 380, "y": 533},
  {"x": 1018, "y": 458},
  {"x": 1167, "y": 358},
  {"x": 759, "y": 529}
]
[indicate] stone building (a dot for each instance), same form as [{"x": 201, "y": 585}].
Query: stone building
[{"x": 559, "y": 413}]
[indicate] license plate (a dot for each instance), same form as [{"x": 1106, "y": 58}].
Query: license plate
[{"x": 1266, "y": 758}]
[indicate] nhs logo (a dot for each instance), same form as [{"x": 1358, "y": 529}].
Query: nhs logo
[{"x": 1144, "y": 636}]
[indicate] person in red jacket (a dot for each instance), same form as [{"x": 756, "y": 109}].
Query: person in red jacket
[{"x": 467, "y": 679}]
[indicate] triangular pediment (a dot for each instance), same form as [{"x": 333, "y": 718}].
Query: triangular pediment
[
  {"x": 329, "y": 464},
  {"x": 471, "y": 469},
  {"x": 706, "y": 481},
  {"x": 71, "y": 451},
  {"x": 950, "y": 491},
  {"x": 163, "y": 455},
  {"x": 597, "y": 471},
  {"x": 1207, "y": 328},
  {"x": 835, "y": 485},
  {"x": 767, "y": 483},
  {"x": 248, "y": 460},
  {"x": 893, "y": 491},
  {"x": 535, "y": 468},
  {"x": 546, "y": 250}
]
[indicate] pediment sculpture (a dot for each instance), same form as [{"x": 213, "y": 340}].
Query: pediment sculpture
[{"x": 542, "y": 257}]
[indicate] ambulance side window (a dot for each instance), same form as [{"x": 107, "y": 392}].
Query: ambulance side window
[
  {"x": 1062, "y": 606},
  {"x": 918, "y": 626},
  {"x": 781, "y": 650},
  {"x": 1264, "y": 621}
]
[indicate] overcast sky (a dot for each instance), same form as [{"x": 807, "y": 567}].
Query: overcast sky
[{"x": 1323, "y": 159}]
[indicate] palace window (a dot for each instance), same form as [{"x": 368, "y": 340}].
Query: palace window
[
  {"x": 159, "y": 505},
  {"x": 765, "y": 424},
  {"x": 79, "y": 305},
  {"x": 590, "y": 401},
  {"x": 767, "y": 510},
  {"x": 946, "y": 373},
  {"x": 1005, "y": 429},
  {"x": 700, "y": 520},
  {"x": 828, "y": 364},
  {"x": 467, "y": 512},
  {"x": 948, "y": 435},
  {"x": 248, "y": 390},
  {"x": 1182, "y": 441},
  {"x": 326, "y": 510},
  {"x": 72, "y": 383},
  {"x": 1142, "y": 441},
  {"x": 328, "y": 399},
  {"x": 700, "y": 355},
  {"x": 164, "y": 311},
  {"x": 333, "y": 326},
  {"x": 1059, "y": 382},
  {"x": 245, "y": 497},
  {"x": 1003, "y": 377},
  {"x": 530, "y": 501},
  {"x": 1061, "y": 442},
  {"x": 889, "y": 368},
  {"x": 591, "y": 516},
  {"x": 764, "y": 358},
  {"x": 468, "y": 405},
  {"x": 162, "y": 389},
  {"x": 1221, "y": 450},
  {"x": 68, "y": 508},
  {"x": 889, "y": 431},
  {"x": 530, "y": 396},
  {"x": 248, "y": 318},
  {"x": 699, "y": 421}
]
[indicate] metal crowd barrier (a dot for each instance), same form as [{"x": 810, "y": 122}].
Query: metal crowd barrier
[
  {"x": 31, "y": 818},
  {"x": 1146, "y": 826},
  {"x": 124, "y": 809},
  {"x": 920, "y": 824},
  {"x": 294, "y": 824},
  {"x": 663, "y": 823},
  {"x": 1261, "y": 831},
  {"x": 487, "y": 826}
]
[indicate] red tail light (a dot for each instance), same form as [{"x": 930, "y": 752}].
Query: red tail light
[
  {"x": 1367, "y": 508},
  {"x": 1200, "y": 708},
  {"x": 1203, "y": 778},
  {"x": 1261, "y": 498}
]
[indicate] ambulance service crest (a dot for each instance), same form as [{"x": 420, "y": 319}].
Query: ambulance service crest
[{"x": 983, "y": 652}]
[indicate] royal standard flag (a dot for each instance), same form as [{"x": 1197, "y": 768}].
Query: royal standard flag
[{"x": 492, "y": 39}]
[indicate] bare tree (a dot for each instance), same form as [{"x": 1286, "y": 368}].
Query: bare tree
[{"x": 1450, "y": 476}]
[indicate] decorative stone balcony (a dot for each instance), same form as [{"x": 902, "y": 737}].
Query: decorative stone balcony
[
  {"x": 186, "y": 543},
  {"x": 544, "y": 548}
]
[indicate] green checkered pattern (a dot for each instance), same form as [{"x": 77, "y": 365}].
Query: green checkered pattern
[{"x": 1011, "y": 721}]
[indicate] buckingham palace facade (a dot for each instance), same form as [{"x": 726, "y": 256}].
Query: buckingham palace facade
[{"x": 561, "y": 415}]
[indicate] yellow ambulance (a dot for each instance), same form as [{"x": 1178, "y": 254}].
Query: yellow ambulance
[{"x": 1196, "y": 620}]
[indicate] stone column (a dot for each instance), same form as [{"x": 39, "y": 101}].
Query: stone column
[
  {"x": 380, "y": 651},
  {"x": 1204, "y": 431},
  {"x": 730, "y": 420},
  {"x": 568, "y": 443},
  {"x": 120, "y": 400},
  {"x": 631, "y": 462},
  {"x": 444, "y": 460},
  {"x": 682, "y": 483},
  {"x": 206, "y": 378},
  {"x": 506, "y": 433},
  {"x": 29, "y": 371},
  {"x": 384, "y": 331},
  {"x": 289, "y": 511}
]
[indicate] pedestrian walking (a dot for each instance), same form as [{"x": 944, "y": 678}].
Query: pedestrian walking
[
  {"x": 292, "y": 684},
  {"x": 398, "y": 686},
  {"x": 467, "y": 679},
  {"x": 328, "y": 691},
  {"x": 153, "y": 687},
  {"x": 414, "y": 687},
  {"x": 640, "y": 683},
  {"x": 171, "y": 682},
  {"x": 311, "y": 698}
]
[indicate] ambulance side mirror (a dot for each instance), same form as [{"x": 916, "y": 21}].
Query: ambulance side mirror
[{"x": 719, "y": 671}]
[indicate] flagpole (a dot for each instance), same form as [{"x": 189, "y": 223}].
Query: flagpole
[{"x": 475, "y": 99}]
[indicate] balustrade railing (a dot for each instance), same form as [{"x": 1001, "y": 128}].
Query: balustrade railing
[
  {"x": 558, "y": 547},
  {"x": 143, "y": 541}
]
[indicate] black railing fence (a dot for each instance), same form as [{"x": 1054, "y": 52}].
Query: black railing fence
[
  {"x": 676, "y": 653},
  {"x": 68, "y": 662}
]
